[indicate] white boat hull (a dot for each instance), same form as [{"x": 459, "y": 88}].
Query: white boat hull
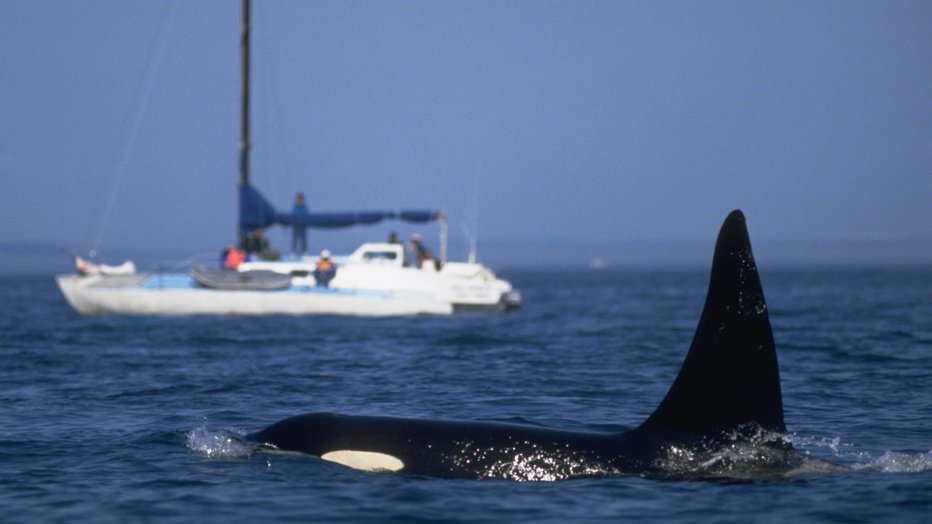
[
  {"x": 373, "y": 281},
  {"x": 90, "y": 295}
]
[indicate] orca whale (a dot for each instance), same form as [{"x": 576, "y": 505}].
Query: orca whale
[{"x": 722, "y": 417}]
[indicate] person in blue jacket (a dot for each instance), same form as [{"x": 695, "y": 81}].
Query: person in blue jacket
[{"x": 299, "y": 231}]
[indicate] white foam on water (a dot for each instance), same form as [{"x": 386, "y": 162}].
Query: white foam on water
[
  {"x": 217, "y": 444},
  {"x": 896, "y": 462},
  {"x": 844, "y": 452}
]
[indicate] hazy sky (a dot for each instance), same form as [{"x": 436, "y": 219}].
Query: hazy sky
[{"x": 531, "y": 121}]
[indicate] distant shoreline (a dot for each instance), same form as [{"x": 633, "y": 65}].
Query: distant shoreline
[{"x": 46, "y": 258}]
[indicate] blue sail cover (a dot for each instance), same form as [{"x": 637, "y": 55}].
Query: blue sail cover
[{"x": 255, "y": 211}]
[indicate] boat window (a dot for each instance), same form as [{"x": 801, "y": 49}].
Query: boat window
[{"x": 380, "y": 255}]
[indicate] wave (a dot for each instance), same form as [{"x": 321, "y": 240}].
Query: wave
[
  {"x": 896, "y": 462},
  {"x": 845, "y": 453}
]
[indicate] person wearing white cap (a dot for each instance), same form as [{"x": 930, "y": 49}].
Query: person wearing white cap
[{"x": 325, "y": 269}]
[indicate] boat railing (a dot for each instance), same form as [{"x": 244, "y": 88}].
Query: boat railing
[{"x": 184, "y": 265}]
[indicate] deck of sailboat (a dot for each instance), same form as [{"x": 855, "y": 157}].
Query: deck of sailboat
[{"x": 180, "y": 294}]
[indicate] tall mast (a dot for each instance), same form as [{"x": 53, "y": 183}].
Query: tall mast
[
  {"x": 244, "y": 116},
  {"x": 244, "y": 109}
]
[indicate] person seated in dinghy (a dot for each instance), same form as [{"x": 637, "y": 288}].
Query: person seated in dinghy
[
  {"x": 325, "y": 269},
  {"x": 232, "y": 257},
  {"x": 256, "y": 245}
]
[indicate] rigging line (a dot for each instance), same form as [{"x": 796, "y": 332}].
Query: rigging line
[
  {"x": 168, "y": 18},
  {"x": 274, "y": 157},
  {"x": 473, "y": 236},
  {"x": 270, "y": 116},
  {"x": 409, "y": 131}
]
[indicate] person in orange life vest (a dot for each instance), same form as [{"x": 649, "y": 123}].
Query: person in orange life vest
[
  {"x": 232, "y": 257},
  {"x": 325, "y": 270}
]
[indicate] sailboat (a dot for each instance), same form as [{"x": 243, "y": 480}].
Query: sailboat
[{"x": 377, "y": 279}]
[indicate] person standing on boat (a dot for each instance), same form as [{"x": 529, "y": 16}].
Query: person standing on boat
[
  {"x": 325, "y": 269},
  {"x": 418, "y": 251},
  {"x": 298, "y": 229}
]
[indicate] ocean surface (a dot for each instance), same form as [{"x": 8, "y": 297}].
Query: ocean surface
[{"x": 128, "y": 419}]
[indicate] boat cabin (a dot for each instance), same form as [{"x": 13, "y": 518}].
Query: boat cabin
[{"x": 381, "y": 253}]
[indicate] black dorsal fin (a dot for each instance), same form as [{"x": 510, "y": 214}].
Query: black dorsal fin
[{"x": 730, "y": 376}]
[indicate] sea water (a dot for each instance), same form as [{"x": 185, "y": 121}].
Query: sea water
[{"x": 115, "y": 418}]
